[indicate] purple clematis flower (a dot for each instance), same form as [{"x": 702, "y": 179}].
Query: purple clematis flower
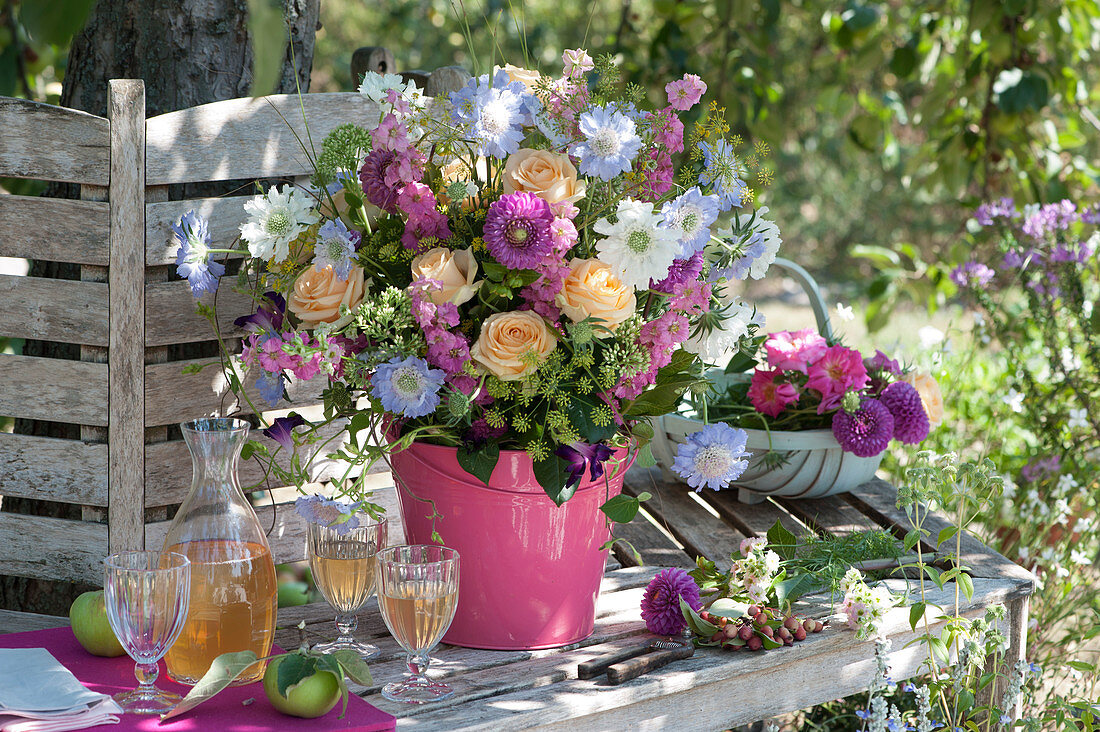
[
  {"x": 281, "y": 429},
  {"x": 581, "y": 455},
  {"x": 268, "y": 318}
]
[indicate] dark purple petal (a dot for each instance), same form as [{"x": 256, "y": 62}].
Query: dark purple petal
[
  {"x": 267, "y": 318},
  {"x": 281, "y": 430}
]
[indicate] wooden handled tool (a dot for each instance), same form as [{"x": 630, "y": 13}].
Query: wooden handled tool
[
  {"x": 595, "y": 667},
  {"x": 632, "y": 668}
]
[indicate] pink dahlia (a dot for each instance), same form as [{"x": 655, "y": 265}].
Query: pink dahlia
[
  {"x": 769, "y": 396},
  {"x": 795, "y": 350},
  {"x": 910, "y": 420},
  {"x": 661, "y": 601},
  {"x": 865, "y": 432},
  {"x": 838, "y": 371},
  {"x": 373, "y": 177},
  {"x": 517, "y": 230}
]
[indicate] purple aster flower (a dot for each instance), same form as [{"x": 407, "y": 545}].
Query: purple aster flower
[
  {"x": 335, "y": 248},
  {"x": 268, "y": 317},
  {"x": 724, "y": 172},
  {"x": 661, "y": 601},
  {"x": 373, "y": 178},
  {"x": 271, "y": 387},
  {"x": 281, "y": 430},
  {"x": 1091, "y": 215},
  {"x": 865, "y": 432},
  {"x": 1050, "y": 218},
  {"x": 192, "y": 235},
  {"x": 910, "y": 420},
  {"x": 691, "y": 215},
  {"x": 972, "y": 274},
  {"x": 407, "y": 387},
  {"x": 610, "y": 143},
  {"x": 337, "y": 515},
  {"x": 680, "y": 273},
  {"x": 517, "y": 230},
  {"x": 581, "y": 455},
  {"x": 1002, "y": 209},
  {"x": 713, "y": 456},
  {"x": 1018, "y": 259}
]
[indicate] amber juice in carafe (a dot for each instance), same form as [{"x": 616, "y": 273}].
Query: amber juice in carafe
[
  {"x": 233, "y": 593},
  {"x": 233, "y": 604}
]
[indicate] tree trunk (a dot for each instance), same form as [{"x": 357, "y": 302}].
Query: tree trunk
[{"x": 189, "y": 52}]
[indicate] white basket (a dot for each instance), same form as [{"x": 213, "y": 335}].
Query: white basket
[{"x": 814, "y": 464}]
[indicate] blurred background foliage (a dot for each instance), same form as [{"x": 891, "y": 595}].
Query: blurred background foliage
[{"x": 888, "y": 120}]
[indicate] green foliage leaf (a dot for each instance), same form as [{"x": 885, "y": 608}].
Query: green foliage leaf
[
  {"x": 222, "y": 672},
  {"x": 794, "y": 587},
  {"x": 552, "y": 474},
  {"x": 580, "y": 409},
  {"x": 966, "y": 584},
  {"x": 1018, "y": 91},
  {"x": 965, "y": 699},
  {"x": 621, "y": 508},
  {"x": 911, "y": 539},
  {"x": 696, "y": 623},
  {"x": 292, "y": 669},
  {"x": 916, "y": 612},
  {"x": 267, "y": 29},
  {"x": 54, "y": 21},
  {"x": 946, "y": 533},
  {"x": 645, "y": 457},
  {"x": 727, "y": 607},
  {"x": 481, "y": 462},
  {"x": 782, "y": 541}
]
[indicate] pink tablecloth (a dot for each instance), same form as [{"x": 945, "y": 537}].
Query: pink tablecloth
[{"x": 227, "y": 712}]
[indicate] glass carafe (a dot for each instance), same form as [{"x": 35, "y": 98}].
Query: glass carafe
[{"x": 233, "y": 591}]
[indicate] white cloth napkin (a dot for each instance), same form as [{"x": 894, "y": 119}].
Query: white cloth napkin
[{"x": 38, "y": 694}]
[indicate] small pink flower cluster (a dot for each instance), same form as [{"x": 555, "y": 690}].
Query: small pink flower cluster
[
  {"x": 293, "y": 351},
  {"x": 830, "y": 372},
  {"x": 448, "y": 349},
  {"x": 541, "y": 293}
]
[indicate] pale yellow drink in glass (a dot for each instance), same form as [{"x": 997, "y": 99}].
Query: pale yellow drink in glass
[
  {"x": 234, "y": 599},
  {"x": 416, "y": 620},
  {"x": 345, "y": 573}
]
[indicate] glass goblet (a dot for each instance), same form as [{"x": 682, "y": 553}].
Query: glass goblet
[
  {"x": 147, "y": 594},
  {"x": 343, "y": 563},
  {"x": 418, "y": 594}
]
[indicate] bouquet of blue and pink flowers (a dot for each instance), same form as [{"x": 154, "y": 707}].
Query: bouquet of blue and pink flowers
[
  {"x": 521, "y": 265},
  {"x": 804, "y": 382}
]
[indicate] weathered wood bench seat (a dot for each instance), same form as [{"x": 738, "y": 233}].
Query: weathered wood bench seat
[{"x": 506, "y": 690}]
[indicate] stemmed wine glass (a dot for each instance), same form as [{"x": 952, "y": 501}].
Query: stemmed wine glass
[
  {"x": 418, "y": 594},
  {"x": 344, "y": 565},
  {"x": 147, "y": 595}
]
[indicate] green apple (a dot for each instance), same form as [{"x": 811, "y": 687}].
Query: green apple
[
  {"x": 88, "y": 616},
  {"x": 293, "y": 593},
  {"x": 315, "y": 694}
]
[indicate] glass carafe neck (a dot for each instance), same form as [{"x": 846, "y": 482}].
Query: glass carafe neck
[{"x": 215, "y": 446}]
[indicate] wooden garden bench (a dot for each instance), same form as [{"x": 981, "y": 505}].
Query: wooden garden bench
[{"x": 124, "y": 466}]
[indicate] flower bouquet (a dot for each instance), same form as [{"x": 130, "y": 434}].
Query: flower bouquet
[
  {"x": 502, "y": 287},
  {"x": 817, "y": 416}
]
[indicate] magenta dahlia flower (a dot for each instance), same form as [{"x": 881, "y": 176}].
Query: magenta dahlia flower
[
  {"x": 865, "y": 432},
  {"x": 373, "y": 177},
  {"x": 517, "y": 230},
  {"x": 910, "y": 420},
  {"x": 661, "y": 601}
]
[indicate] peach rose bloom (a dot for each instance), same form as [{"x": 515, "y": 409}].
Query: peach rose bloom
[
  {"x": 592, "y": 290},
  {"x": 506, "y": 338},
  {"x": 550, "y": 176},
  {"x": 455, "y": 270},
  {"x": 930, "y": 395},
  {"x": 527, "y": 77},
  {"x": 318, "y": 295}
]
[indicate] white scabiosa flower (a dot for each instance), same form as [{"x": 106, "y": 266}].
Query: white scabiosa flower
[
  {"x": 275, "y": 220},
  {"x": 637, "y": 247},
  {"x": 375, "y": 85},
  {"x": 716, "y": 342},
  {"x": 765, "y": 231}
]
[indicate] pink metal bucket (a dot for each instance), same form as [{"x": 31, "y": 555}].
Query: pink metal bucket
[{"x": 530, "y": 571}]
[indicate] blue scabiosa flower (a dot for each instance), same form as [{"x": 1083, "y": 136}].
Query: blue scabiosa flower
[
  {"x": 335, "y": 248},
  {"x": 493, "y": 113},
  {"x": 724, "y": 172},
  {"x": 713, "y": 456},
  {"x": 610, "y": 143},
  {"x": 691, "y": 216},
  {"x": 192, "y": 235},
  {"x": 408, "y": 387},
  {"x": 281, "y": 430},
  {"x": 754, "y": 250},
  {"x": 270, "y": 387},
  {"x": 337, "y": 515}
]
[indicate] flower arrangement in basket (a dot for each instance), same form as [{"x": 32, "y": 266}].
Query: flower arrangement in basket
[{"x": 817, "y": 415}]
